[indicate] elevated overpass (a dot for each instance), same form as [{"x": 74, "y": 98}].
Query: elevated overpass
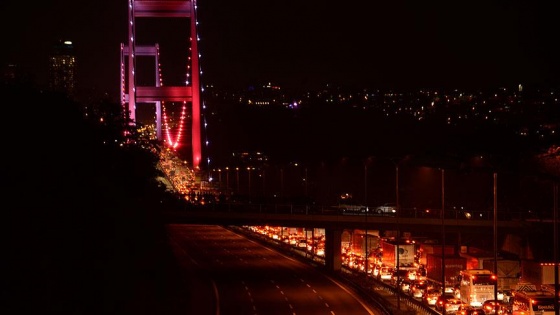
[
  {"x": 330, "y": 221},
  {"x": 455, "y": 230}
]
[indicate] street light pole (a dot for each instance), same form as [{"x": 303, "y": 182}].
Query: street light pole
[
  {"x": 495, "y": 190},
  {"x": 366, "y": 247},
  {"x": 264, "y": 182},
  {"x": 555, "y": 242},
  {"x": 227, "y": 179},
  {"x": 365, "y": 184},
  {"x": 397, "y": 189},
  {"x": 443, "y": 236},
  {"x": 398, "y": 230},
  {"x": 281, "y": 183},
  {"x": 237, "y": 178},
  {"x": 249, "y": 182},
  {"x": 305, "y": 179}
]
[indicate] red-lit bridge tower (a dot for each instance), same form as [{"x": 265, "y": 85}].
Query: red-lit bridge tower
[{"x": 133, "y": 94}]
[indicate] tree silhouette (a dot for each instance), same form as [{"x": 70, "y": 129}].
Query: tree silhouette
[{"x": 81, "y": 212}]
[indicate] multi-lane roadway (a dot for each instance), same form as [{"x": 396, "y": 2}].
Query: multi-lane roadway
[{"x": 230, "y": 274}]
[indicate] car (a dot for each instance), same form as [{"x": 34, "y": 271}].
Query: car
[
  {"x": 385, "y": 273},
  {"x": 491, "y": 307},
  {"x": 430, "y": 296},
  {"x": 386, "y": 209},
  {"x": 452, "y": 306},
  {"x": 405, "y": 285},
  {"x": 398, "y": 276},
  {"x": 353, "y": 209},
  {"x": 418, "y": 288},
  {"x": 506, "y": 296},
  {"x": 421, "y": 274},
  {"x": 465, "y": 309},
  {"x": 449, "y": 301}
]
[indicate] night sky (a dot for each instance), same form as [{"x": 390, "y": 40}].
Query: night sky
[{"x": 306, "y": 44}]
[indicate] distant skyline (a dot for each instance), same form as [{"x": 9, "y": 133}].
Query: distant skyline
[{"x": 307, "y": 44}]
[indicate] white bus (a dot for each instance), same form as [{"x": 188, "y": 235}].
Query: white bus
[
  {"x": 477, "y": 286},
  {"x": 532, "y": 303}
]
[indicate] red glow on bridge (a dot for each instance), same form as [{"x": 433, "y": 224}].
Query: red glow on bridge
[{"x": 132, "y": 93}]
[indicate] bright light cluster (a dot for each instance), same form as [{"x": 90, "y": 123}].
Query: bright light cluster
[{"x": 171, "y": 143}]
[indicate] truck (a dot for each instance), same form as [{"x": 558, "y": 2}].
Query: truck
[
  {"x": 359, "y": 245},
  {"x": 477, "y": 286},
  {"x": 537, "y": 273},
  {"x": 453, "y": 266},
  {"x": 426, "y": 249},
  {"x": 508, "y": 272},
  {"x": 401, "y": 251},
  {"x": 550, "y": 288}
]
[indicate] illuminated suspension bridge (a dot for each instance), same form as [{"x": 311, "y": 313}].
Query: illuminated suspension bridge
[{"x": 133, "y": 94}]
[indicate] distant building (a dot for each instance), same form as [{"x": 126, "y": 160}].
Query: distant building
[
  {"x": 62, "y": 68},
  {"x": 265, "y": 95},
  {"x": 255, "y": 159}
]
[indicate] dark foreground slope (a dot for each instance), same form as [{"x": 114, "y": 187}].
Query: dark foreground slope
[{"x": 80, "y": 226}]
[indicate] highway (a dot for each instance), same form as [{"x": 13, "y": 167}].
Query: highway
[{"x": 230, "y": 274}]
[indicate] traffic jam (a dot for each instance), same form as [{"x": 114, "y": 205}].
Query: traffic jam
[{"x": 466, "y": 292}]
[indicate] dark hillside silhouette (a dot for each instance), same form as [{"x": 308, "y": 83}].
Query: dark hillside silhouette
[{"x": 80, "y": 220}]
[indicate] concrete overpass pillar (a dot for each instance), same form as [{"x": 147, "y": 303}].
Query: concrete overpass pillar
[{"x": 333, "y": 241}]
